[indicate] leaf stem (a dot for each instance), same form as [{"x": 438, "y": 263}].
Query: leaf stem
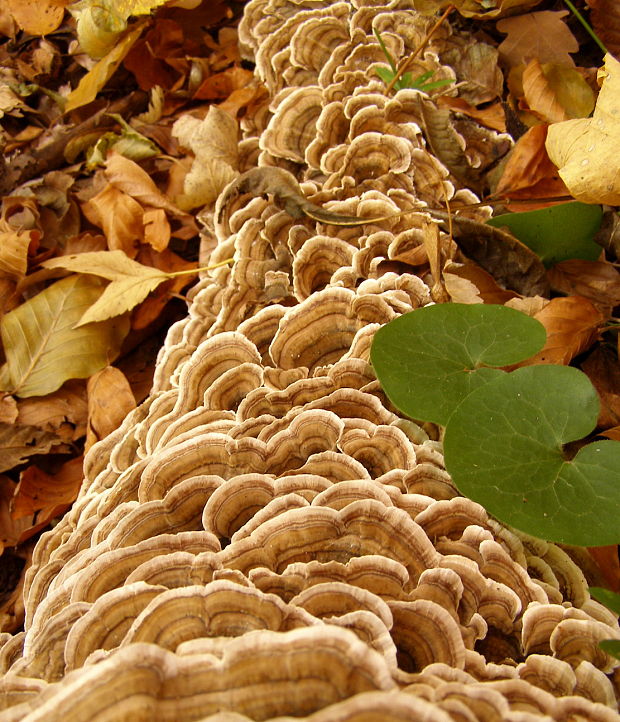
[
  {"x": 188, "y": 271},
  {"x": 404, "y": 65},
  {"x": 586, "y": 25}
]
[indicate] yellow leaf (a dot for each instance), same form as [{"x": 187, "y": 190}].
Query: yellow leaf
[
  {"x": 113, "y": 265},
  {"x": 43, "y": 349},
  {"x": 96, "y": 78},
  {"x": 131, "y": 281},
  {"x": 556, "y": 92},
  {"x": 125, "y": 8},
  {"x": 14, "y": 253},
  {"x": 37, "y": 18},
  {"x": 583, "y": 149},
  {"x": 214, "y": 142},
  {"x": 128, "y": 177},
  {"x": 119, "y": 297}
]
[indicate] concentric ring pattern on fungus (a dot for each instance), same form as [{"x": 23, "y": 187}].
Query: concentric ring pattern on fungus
[{"x": 265, "y": 537}]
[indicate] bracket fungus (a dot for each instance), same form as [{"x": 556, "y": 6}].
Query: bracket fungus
[{"x": 265, "y": 537}]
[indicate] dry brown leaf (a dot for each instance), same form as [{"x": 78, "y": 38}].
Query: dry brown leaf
[
  {"x": 156, "y": 228},
  {"x": 555, "y": 93},
  {"x": 608, "y": 561},
  {"x": 154, "y": 304},
  {"x": 90, "y": 85},
  {"x": 529, "y": 173},
  {"x": 37, "y": 18},
  {"x": 110, "y": 399},
  {"x": 476, "y": 8},
  {"x": 598, "y": 281},
  {"x": 446, "y": 143},
  {"x": 468, "y": 283},
  {"x": 530, "y": 305},
  {"x": 572, "y": 324},
  {"x": 38, "y": 490},
  {"x": 542, "y": 35},
  {"x": 603, "y": 370},
  {"x": 17, "y": 443},
  {"x": 248, "y": 98},
  {"x": 581, "y": 148},
  {"x": 511, "y": 263},
  {"x": 120, "y": 218},
  {"x": 492, "y": 116},
  {"x": 221, "y": 85},
  {"x": 613, "y": 433},
  {"x": 214, "y": 142},
  {"x": 605, "y": 19},
  {"x": 11, "y": 530},
  {"x": 150, "y": 58},
  {"x": 8, "y": 409},
  {"x": 14, "y": 252},
  {"x": 62, "y": 413},
  {"x": 133, "y": 180}
]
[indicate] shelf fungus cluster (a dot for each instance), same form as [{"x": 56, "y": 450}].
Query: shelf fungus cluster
[{"x": 265, "y": 537}]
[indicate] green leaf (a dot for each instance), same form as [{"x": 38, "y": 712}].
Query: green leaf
[
  {"x": 610, "y": 599},
  {"x": 558, "y": 233},
  {"x": 385, "y": 75},
  {"x": 503, "y": 447},
  {"x": 43, "y": 349},
  {"x": 430, "y": 359},
  {"x": 611, "y": 646}
]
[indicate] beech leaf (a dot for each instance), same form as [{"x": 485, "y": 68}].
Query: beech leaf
[
  {"x": 42, "y": 347},
  {"x": 18, "y": 442},
  {"x": 543, "y": 35},
  {"x": 504, "y": 448},
  {"x": 90, "y": 85},
  {"x": 581, "y": 148},
  {"x": 131, "y": 281}
]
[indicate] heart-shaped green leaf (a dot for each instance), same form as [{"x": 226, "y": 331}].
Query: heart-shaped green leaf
[
  {"x": 504, "y": 449},
  {"x": 430, "y": 359},
  {"x": 557, "y": 233}
]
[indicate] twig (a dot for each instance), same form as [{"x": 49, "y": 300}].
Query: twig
[{"x": 406, "y": 63}]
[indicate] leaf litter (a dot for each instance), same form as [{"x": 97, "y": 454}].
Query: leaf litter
[{"x": 147, "y": 131}]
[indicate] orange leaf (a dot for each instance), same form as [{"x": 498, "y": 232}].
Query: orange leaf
[
  {"x": 572, "y": 325},
  {"x": 129, "y": 177},
  {"x": 156, "y": 228},
  {"x": 37, "y": 18},
  {"x": 542, "y": 35},
  {"x": 555, "y": 92},
  {"x": 152, "y": 306},
  {"x": 492, "y": 116},
  {"x": 607, "y": 561},
  {"x": 11, "y": 530},
  {"x": 39, "y": 490},
  {"x": 110, "y": 399},
  {"x": 468, "y": 283},
  {"x": 529, "y": 173},
  {"x": 597, "y": 280},
  {"x": 120, "y": 218},
  {"x": 605, "y": 18},
  {"x": 603, "y": 370},
  {"x": 223, "y": 84}
]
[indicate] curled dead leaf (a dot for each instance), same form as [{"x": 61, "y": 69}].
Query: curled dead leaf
[
  {"x": 110, "y": 399},
  {"x": 580, "y": 148},
  {"x": 572, "y": 324}
]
